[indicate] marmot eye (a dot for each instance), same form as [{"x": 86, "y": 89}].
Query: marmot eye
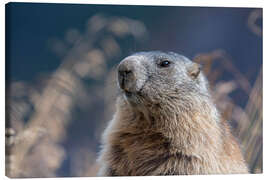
[{"x": 165, "y": 63}]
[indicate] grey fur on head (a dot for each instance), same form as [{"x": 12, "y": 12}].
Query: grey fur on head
[{"x": 144, "y": 80}]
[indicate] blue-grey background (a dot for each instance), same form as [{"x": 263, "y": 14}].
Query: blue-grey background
[{"x": 30, "y": 28}]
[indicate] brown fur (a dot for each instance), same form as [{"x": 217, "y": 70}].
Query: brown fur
[{"x": 169, "y": 137}]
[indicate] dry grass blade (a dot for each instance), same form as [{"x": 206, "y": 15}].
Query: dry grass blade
[
  {"x": 248, "y": 121},
  {"x": 37, "y": 150},
  {"x": 251, "y": 131},
  {"x": 252, "y": 19}
]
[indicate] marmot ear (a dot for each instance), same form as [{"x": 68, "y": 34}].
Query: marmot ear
[{"x": 194, "y": 70}]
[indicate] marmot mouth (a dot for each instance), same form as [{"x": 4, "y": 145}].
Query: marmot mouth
[
  {"x": 132, "y": 96},
  {"x": 128, "y": 93}
]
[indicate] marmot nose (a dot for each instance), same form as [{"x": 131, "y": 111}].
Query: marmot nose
[
  {"x": 124, "y": 73},
  {"x": 126, "y": 76}
]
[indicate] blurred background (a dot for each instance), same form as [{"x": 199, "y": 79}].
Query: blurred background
[{"x": 60, "y": 75}]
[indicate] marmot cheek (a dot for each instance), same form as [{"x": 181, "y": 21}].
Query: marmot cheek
[{"x": 140, "y": 82}]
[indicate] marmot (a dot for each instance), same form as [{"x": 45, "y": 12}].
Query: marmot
[{"x": 166, "y": 122}]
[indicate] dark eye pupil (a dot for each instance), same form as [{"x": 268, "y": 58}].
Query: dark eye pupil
[{"x": 164, "y": 63}]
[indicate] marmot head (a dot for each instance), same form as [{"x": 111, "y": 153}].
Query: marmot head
[{"x": 158, "y": 78}]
